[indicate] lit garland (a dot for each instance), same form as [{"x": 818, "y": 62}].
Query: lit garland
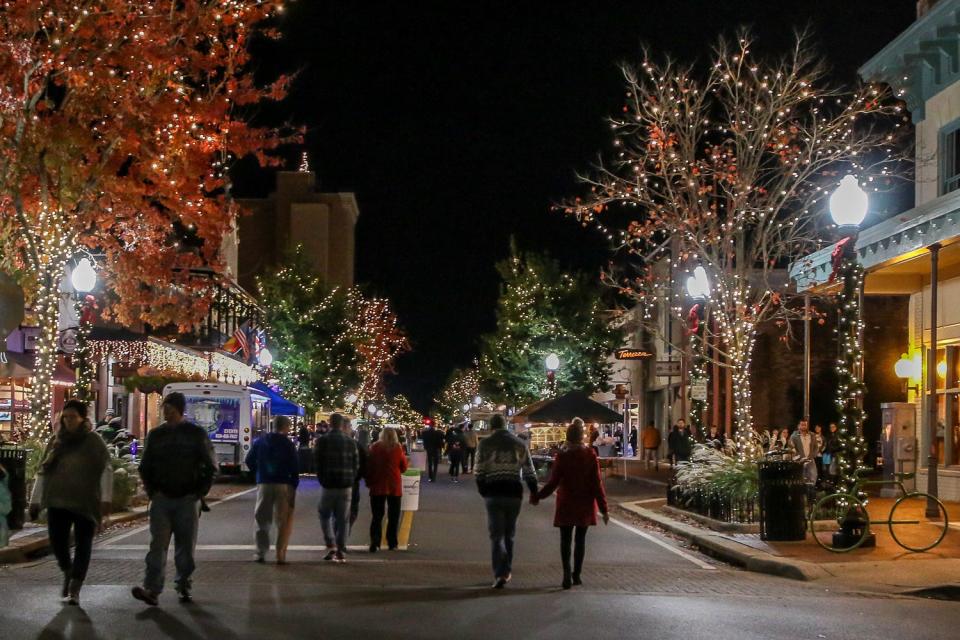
[
  {"x": 850, "y": 391},
  {"x": 81, "y": 357},
  {"x": 170, "y": 359}
]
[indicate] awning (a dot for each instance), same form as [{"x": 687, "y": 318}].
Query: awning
[
  {"x": 20, "y": 365},
  {"x": 575, "y": 404},
  {"x": 279, "y": 406}
]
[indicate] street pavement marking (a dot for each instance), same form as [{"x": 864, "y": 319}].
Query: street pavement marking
[
  {"x": 136, "y": 530},
  {"x": 669, "y": 547},
  {"x": 244, "y": 547}
]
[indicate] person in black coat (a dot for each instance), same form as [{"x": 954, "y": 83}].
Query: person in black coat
[
  {"x": 433, "y": 445},
  {"x": 456, "y": 446}
]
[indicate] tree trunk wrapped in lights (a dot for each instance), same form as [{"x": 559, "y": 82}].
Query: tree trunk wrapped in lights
[{"x": 728, "y": 169}]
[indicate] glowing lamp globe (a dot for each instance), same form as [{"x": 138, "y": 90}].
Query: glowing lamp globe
[
  {"x": 697, "y": 285},
  {"x": 265, "y": 358},
  {"x": 83, "y": 278},
  {"x": 372, "y": 409},
  {"x": 552, "y": 362},
  {"x": 477, "y": 401},
  {"x": 904, "y": 367},
  {"x": 352, "y": 398},
  {"x": 466, "y": 408},
  {"x": 848, "y": 204}
]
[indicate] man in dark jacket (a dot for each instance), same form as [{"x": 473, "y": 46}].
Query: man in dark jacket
[
  {"x": 433, "y": 445},
  {"x": 455, "y": 448},
  {"x": 338, "y": 463},
  {"x": 502, "y": 462},
  {"x": 177, "y": 470},
  {"x": 273, "y": 459}
]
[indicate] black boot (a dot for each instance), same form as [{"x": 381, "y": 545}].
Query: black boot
[{"x": 65, "y": 591}]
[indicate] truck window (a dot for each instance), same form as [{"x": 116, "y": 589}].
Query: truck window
[{"x": 219, "y": 416}]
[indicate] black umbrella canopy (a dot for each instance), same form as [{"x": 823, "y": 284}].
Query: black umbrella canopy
[{"x": 575, "y": 404}]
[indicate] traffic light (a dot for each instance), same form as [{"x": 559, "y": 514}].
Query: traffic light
[{"x": 427, "y": 421}]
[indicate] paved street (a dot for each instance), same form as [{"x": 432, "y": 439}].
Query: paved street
[{"x": 637, "y": 583}]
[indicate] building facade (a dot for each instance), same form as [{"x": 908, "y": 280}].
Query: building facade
[
  {"x": 916, "y": 254},
  {"x": 297, "y": 213}
]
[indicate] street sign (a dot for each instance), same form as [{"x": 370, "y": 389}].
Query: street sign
[
  {"x": 698, "y": 389},
  {"x": 667, "y": 368},
  {"x": 631, "y": 353}
]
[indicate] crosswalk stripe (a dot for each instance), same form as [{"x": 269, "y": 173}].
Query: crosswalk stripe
[{"x": 241, "y": 547}]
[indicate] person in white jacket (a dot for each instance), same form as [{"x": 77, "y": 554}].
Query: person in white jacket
[{"x": 74, "y": 485}]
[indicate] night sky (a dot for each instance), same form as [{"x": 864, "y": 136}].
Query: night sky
[{"x": 459, "y": 124}]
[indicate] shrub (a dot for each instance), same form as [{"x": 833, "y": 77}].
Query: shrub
[{"x": 126, "y": 480}]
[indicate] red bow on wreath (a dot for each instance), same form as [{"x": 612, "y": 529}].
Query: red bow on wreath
[
  {"x": 694, "y": 319},
  {"x": 836, "y": 258}
]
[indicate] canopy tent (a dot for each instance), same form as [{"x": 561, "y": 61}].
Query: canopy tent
[
  {"x": 279, "y": 406},
  {"x": 574, "y": 404}
]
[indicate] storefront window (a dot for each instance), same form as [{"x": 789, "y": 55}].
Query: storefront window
[{"x": 948, "y": 405}]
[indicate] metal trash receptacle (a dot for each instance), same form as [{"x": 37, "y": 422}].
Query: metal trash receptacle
[
  {"x": 782, "y": 501},
  {"x": 14, "y": 460}
]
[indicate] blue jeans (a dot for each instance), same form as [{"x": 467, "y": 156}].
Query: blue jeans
[
  {"x": 177, "y": 517},
  {"x": 502, "y": 516},
  {"x": 334, "y": 509}
]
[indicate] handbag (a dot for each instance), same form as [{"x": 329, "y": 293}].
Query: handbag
[{"x": 827, "y": 459}]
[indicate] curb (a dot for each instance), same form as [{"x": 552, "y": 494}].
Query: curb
[
  {"x": 30, "y": 546},
  {"x": 719, "y": 547}
]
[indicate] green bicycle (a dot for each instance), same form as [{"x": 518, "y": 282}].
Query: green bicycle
[{"x": 908, "y": 522}]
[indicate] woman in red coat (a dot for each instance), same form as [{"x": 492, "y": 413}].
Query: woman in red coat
[
  {"x": 576, "y": 477},
  {"x": 385, "y": 466}
]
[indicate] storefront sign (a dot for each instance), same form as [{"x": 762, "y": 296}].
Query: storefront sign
[
  {"x": 698, "y": 389},
  {"x": 665, "y": 368},
  {"x": 632, "y": 354}
]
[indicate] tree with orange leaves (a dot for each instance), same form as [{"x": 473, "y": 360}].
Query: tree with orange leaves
[{"x": 118, "y": 120}]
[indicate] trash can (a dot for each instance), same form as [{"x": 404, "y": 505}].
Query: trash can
[
  {"x": 411, "y": 490},
  {"x": 14, "y": 460},
  {"x": 782, "y": 501}
]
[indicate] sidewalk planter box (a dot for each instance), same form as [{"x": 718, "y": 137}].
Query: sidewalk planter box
[
  {"x": 782, "y": 501},
  {"x": 713, "y": 505}
]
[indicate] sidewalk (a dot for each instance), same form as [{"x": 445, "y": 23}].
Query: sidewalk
[
  {"x": 32, "y": 540},
  {"x": 887, "y": 568}
]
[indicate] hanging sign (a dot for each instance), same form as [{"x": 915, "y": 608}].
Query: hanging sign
[
  {"x": 667, "y": 368},
  {"x": 698, "y": 389},
  {"x": 632, "y": 353}
]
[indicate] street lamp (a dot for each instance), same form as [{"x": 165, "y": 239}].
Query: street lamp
[
  {"x": 477, "y": 401},
  {"x": 351, "y": 399},
  {"x": 83, "y": 277},
  {"x": 372, "y": 409},
  {"x": 848, "y": 208},
  {"x": 552, "y": 362},
  {"x": 848, "y": 204},
  {"x": 466, "y": 408},
  {"x": 698, "y": 286},
  {"x": 265, "y": 357}
]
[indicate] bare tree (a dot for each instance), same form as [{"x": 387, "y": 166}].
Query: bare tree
[{"x": 728, "y": 168}]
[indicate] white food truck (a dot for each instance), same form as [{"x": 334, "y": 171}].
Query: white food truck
[{"x": 232, "y": 415}]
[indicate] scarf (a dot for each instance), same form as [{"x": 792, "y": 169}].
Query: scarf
[{"x": 64, "y": 440}]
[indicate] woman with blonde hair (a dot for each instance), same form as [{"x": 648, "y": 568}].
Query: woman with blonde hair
[
  {"x": 386, "y": 463},
  {"x": 575, "y": 477}
]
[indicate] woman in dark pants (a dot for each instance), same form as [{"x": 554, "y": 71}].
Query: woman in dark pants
[
  {"x": 74, "y": 484},
  {"x": 576, "y": 478},
  {"x": 385, "y": 466}
]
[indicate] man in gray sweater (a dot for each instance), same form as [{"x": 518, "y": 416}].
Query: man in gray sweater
[{"x": 503, "y": 466}]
